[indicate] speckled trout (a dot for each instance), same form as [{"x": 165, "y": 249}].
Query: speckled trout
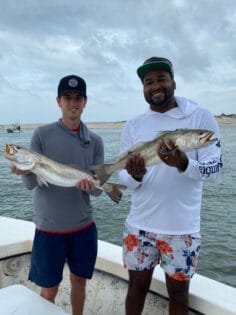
[
  {"x": 49, "y": 171},
  {"x": 184, "y": 139}
]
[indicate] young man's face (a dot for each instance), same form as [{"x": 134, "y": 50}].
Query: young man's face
[
  {"x": 72, "y": 105},
  {"x": 158, "y": 89}
]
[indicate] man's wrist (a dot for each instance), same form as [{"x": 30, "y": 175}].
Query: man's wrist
[{"x": 183, "y": 166}]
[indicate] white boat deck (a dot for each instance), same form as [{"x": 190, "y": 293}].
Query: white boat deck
[
  {"x": 206, "y": 296},
  {"x": 15, "y": 237}
]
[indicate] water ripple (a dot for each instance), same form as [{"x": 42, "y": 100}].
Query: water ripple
[{"x": 218, "y": 252}]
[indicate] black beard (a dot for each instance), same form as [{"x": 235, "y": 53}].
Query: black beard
[
  {"x": 158, "y": 104},
  {"x": 161, "y": 104}
]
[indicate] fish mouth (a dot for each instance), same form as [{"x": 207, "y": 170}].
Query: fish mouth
[
  {"x": 8, "y": 149},
  {"x": 206, "y": 137}
]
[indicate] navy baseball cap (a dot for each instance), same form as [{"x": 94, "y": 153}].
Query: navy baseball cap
[
  {"x": 71, "y": 83},
  {"x": 155, "y": 63}
]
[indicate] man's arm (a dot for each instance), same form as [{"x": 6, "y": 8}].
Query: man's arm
[{"x": 135, "y": 168}]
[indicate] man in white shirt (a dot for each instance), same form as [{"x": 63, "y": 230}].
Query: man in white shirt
[{"x": 163, "y": 225}]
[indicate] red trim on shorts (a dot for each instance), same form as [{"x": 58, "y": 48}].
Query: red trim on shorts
[{"x": 67, "y": 232}]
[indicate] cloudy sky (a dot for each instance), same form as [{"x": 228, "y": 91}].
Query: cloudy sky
[{"x": 104, "y": 42}]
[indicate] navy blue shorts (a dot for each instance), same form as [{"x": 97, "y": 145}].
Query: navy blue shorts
[{"x": 51, "y": 251}]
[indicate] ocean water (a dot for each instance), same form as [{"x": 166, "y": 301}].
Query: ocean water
[{"x": 218, "y": 252}]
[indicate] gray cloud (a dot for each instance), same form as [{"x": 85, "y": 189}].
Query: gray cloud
[{"x": 105, "y": 41}]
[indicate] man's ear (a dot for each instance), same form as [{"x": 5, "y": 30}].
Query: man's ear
[
  {"x": 85, "y": 101},
  {"x": 174, "y": 83},
  {"x": 58, "y": 99}
]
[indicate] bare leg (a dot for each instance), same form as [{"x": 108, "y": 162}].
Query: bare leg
[
  {"x": 78, "y": 286},
  {"x": 139, "y": 283},
  {"x": 49, "y": 293},
  {"x": 178, "y": 296}
]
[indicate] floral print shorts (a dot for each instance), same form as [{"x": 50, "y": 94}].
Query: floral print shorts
[{"x": 177, "y": 254}]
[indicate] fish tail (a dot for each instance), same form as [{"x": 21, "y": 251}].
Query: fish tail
[
  {"x": 113, "y": 191},
  {"x": 103, "y": 171}
]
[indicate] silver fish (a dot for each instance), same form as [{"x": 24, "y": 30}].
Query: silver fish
[
  {"x": 49, "y": 171},
  {"x": 184, "y": 139}
]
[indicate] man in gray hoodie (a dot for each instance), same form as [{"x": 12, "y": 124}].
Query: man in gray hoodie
[{"x": 65, "y": 229}]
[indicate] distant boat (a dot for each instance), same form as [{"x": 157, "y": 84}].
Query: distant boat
[{"x": 14, "y": 128}]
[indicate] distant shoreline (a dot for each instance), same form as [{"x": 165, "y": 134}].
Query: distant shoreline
[{"x": 223, "y": 121}]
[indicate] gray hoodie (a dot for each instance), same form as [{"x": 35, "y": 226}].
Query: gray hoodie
[{"x": 60, "y": 209}]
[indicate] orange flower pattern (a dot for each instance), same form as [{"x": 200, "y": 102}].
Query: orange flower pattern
[
  {"x": 131, "y": 241},
  {"x": 177, "y": 254},
  {"x": 164, "y": 247}
]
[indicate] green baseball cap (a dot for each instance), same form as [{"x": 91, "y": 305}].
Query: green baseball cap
[{"x": 155, "y": 63}]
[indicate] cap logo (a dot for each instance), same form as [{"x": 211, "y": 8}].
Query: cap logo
[{"x": 73, "y": 82}]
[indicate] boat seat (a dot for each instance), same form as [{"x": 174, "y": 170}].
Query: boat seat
[{"x": 20, "y": 300}]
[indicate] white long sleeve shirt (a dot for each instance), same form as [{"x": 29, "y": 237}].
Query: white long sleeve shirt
[{"x": 167, "y": 201}]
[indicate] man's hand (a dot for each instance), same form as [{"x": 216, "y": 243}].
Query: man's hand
[
  {"x": 135, "y": 166},
  {"x": 17, "y": 171},
  {"x": 86, "y": 185},
  {"x": 171, "y": 155}
]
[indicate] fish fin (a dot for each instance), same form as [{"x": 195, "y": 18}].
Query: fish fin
[
  {"x": 162, "y": 133},
  {"x": 102, "y": 171},
  {"x": 23, "y": 167},
  {"x": 41, "y": 181},
  {"x": 131, "y": 150},
  {"x": 113, "y": 191}
]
